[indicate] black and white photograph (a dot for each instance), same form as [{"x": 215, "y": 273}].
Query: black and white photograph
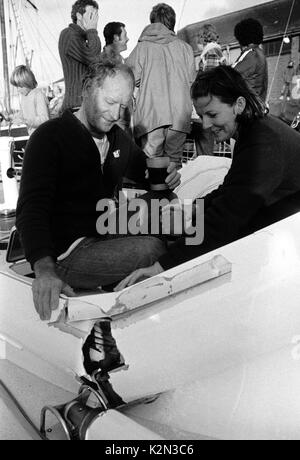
[{"x": 149, "y": 222}]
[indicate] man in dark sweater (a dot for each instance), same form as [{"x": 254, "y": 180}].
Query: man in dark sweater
[
  {"x": 79, "y": 46},
  {"x": 71, "y": 164}
]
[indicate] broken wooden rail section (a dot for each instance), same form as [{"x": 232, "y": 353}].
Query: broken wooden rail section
[{"x": 147, "y": 292}]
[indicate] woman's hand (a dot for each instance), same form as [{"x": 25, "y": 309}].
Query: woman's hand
[{"x": 139, "y": 274}]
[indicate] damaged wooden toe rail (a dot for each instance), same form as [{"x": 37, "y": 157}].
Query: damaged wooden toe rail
[{"x": 144, "y": 293}]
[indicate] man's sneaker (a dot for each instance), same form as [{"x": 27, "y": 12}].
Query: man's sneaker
[{"x": 100, "y": 350}]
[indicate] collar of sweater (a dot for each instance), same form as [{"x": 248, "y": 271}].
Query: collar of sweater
[
  {"x": 249, "y": 47},
  {"x": 110, "y": 52},
  {"x": 71, "y": 118},
  {"x": 77, "y": 29}
]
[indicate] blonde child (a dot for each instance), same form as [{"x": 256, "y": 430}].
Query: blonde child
[{"x": 33, "y": 104}]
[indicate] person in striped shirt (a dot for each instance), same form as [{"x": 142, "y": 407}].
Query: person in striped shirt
[{"x": 79, "y": 46}]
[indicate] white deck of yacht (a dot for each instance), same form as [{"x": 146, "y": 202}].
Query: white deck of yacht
[
  {"x": 225, "y": 354},
  {"x": 32, "y": 393}
]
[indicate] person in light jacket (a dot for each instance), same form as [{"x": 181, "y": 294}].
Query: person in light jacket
[{"x": 164, "y": 70}]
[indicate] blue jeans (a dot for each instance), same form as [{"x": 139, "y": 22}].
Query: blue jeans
[{"x": 103, "y": 261}]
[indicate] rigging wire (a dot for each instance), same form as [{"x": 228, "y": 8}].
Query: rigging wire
[
  {"x": 19, "y": 28},
  {"x": 181, "y": 14},
  {"x": 34, "y": 29},
  {"x": 13, "y": 54},
  {"x": 281, "y": 48},
  {"x": 58, "y": 6},
  {"x": 44, "y": 41},
  {"x": 45, "y": 24},
  {"x": 12, "y": 48},
  {"x": 32, "y": 4}
]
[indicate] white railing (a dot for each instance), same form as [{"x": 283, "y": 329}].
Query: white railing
[{"x": 221, "y": 149}]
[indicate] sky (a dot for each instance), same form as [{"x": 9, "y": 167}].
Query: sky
[{"x": 41, "y": 29}]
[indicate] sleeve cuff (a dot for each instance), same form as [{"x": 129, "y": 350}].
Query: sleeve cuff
[
  {"x": 33, "y": 258},
  {"x": 167, "y": 262}
]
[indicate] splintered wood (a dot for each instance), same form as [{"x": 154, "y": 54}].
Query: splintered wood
[{"x": 145, "y": 293}]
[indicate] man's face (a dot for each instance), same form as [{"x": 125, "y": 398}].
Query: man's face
[
  {"x": 122, "y": 40},
  {"x": 104, "y": 106},
  {"x": 218, "y": 116}
]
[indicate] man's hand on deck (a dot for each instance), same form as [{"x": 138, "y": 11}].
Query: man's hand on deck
[
  {"x": 139, "y": 275},
  {"x": 47, "y": 288},
  {"x": 173, "y": 179}
]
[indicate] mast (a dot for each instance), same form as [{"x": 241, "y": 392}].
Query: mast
[{"x": 5, "y": 59}]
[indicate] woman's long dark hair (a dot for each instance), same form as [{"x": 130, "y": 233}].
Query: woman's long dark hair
[{"x": 228, "y": 85}]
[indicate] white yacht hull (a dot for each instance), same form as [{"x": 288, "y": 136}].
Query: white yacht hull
[
  {"x": 221, "y": 358},
  {"x": 225, "y": 354}
]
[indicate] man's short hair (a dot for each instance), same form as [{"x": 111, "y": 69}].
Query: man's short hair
[
  {"x": 23, "y": 77},
  {"x": 110, "y": 30},
  {"x": 97, "y": 73},
  {"x": 249, "y": 31},
  {"x": 165, "y": 14},
  {"x": 80, "y": 6}
]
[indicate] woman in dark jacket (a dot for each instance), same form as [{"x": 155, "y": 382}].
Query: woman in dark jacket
[
  {"x": 263, "y": 183},
  {"x": 252, "y": 63}
]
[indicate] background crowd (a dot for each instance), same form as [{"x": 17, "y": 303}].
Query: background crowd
[{"x": 160, "y": 115}]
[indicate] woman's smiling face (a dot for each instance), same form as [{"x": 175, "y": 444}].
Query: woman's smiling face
[{"x": 220, "y": 117}]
